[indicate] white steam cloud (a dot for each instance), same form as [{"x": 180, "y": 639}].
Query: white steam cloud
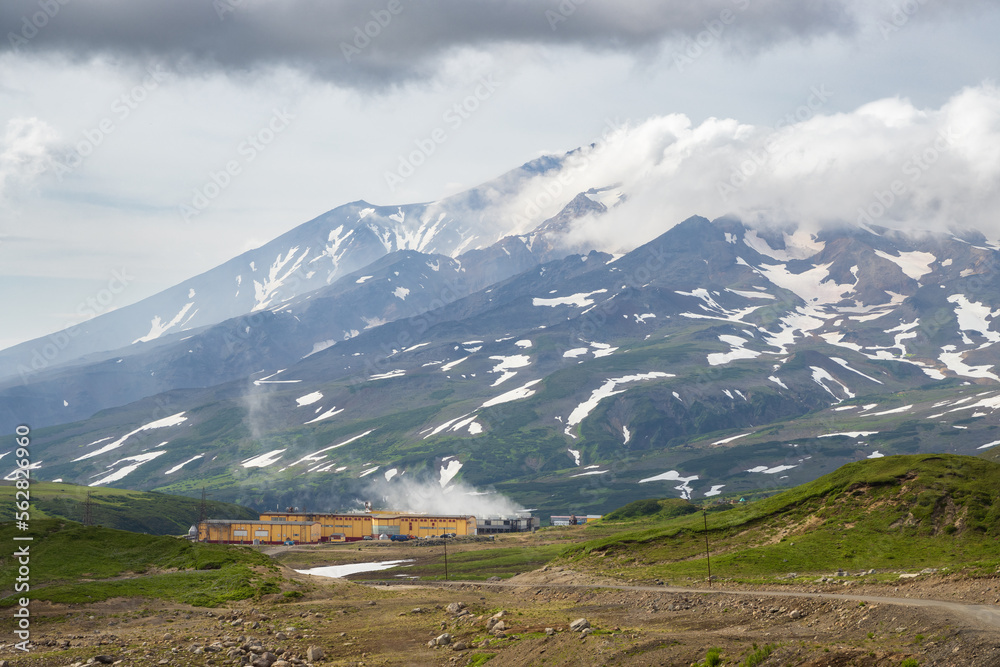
[
  {"x": 428, "y": 497},
  {"x": 886, "y": 163}
]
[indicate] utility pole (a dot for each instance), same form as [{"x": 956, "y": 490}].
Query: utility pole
[
  {"x": 88, "y": 512},
  {"x": 203, "y": 508},
  {"x": 708, "y": 557}
]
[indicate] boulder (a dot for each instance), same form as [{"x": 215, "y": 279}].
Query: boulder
[
  {"x": 314, "y": 654},
  {"x": 579, "y": 625}
]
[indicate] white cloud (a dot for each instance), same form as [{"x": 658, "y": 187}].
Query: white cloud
[
  {"x": 24, "y": 152},
  {"x": 886, "y": 163}
]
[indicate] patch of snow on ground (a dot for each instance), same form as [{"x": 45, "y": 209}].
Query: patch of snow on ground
[
  {"x": 737, "y": 351},
  {"x": 448, "y": 471},
  {"x": 602, "y": 350},
  {"x": 575, "y": 352},
  {"x": 850, "y": 434},
  {"x": 772, "y": 471},
  {"x": 157, "y": 328},
  {"x": 362, "y": 279},
  {"x": 592, "y": 472},
  {"x": 386, "y": 376},
  {"x": 523, "y": 343},
  {"x": 390, "y": 473},
  {"x": 775, "y": 380},
  {"x": 894, "y": 411},
  {"x": 751, "y": 295},
  {"x": 843, "y": 363},
  {"x": 989, "y": 444},
  {"x": 523, "y": 391},
  {"x": 808, "y": 285},
  {"x": 716, "y": 490},
  {"x": 799, "y": 245},
  {"x": 914, "y": 264},
  {"x": 368, "y": 472},
  {"x": 509, "y": 363},
  {"x": 264, "y": 460},
  {"x": 575, "y": 453},
  {"x": 401, "y": 293},
  {"x": 326, "y": 415},
  {"x": 475, "y": 428},
  {"x": 309, "y": 399},
  {"x": 606, "y": 390},
  {"x": 181, "y": 465},
  {"x": 626, "y": 435},
  {"x": 820, "y": 374},
  {"x": 876, "y": 455},
  {"x": 954, "y": 362},
  {"x": 836, "y": 338},
  {"x": 972, "y": 316},
  {"x": 451, "y": 364},
  {"x": 172, "y": 420},
  {"x": 731, "y": 438},
  {"x": 579, "y": 300},
  {"x": 674, "y": 476},
  {"x": 133, "y": 461}
]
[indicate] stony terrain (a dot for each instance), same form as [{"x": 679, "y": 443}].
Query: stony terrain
[{"x": 529, "y": 621}]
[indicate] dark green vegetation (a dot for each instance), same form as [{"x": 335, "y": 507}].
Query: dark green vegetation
[
  {"x": 898, "y": 513},
  {"x": 652, "y": 508},
  {"x": 72, "y": 563},
  {"x": 136, "y": 511}
]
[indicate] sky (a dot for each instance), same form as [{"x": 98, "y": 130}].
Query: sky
[{"x": 142, "y": 143}]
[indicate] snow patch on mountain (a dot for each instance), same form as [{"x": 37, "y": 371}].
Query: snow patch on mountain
[
  {"x": 177, "y": 467},
  {"x": 674, "y": 476},
  {"x": 133, "y": 463},
  {"x": 914, "y": 264},
  {"x": 309, "y": 399},
  {"x": 264, "y": 460},
  {"x": 606, "y": 390},
  {"x": 580, "y": 300},
  {"x": 166, "y": 422}
]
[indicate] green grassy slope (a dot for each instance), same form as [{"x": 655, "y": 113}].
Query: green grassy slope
[
  {"x": 72, "y": 563},
  {"x": 897, "y": 512},
  {"x": 137, "y": 511}
]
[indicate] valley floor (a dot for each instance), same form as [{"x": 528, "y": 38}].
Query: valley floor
[{"x": 825, "y": 624}]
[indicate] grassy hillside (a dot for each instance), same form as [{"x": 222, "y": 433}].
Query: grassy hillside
[
  {"x": 137, "y": 511},
  {"x": 897, "y": 512},
  {"x": 73, "y": 564}
]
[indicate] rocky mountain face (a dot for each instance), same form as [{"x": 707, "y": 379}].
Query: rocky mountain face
[{"x": 713, "y": 360}]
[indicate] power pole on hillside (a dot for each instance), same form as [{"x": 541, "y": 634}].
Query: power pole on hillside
[
  {"x": 708, "y": 557},
  {"x": 203, "y": 508},
  {"x": 88, "y": 511}
]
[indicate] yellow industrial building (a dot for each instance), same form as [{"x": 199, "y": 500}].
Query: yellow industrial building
[{"x": 315, "y": 527}]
